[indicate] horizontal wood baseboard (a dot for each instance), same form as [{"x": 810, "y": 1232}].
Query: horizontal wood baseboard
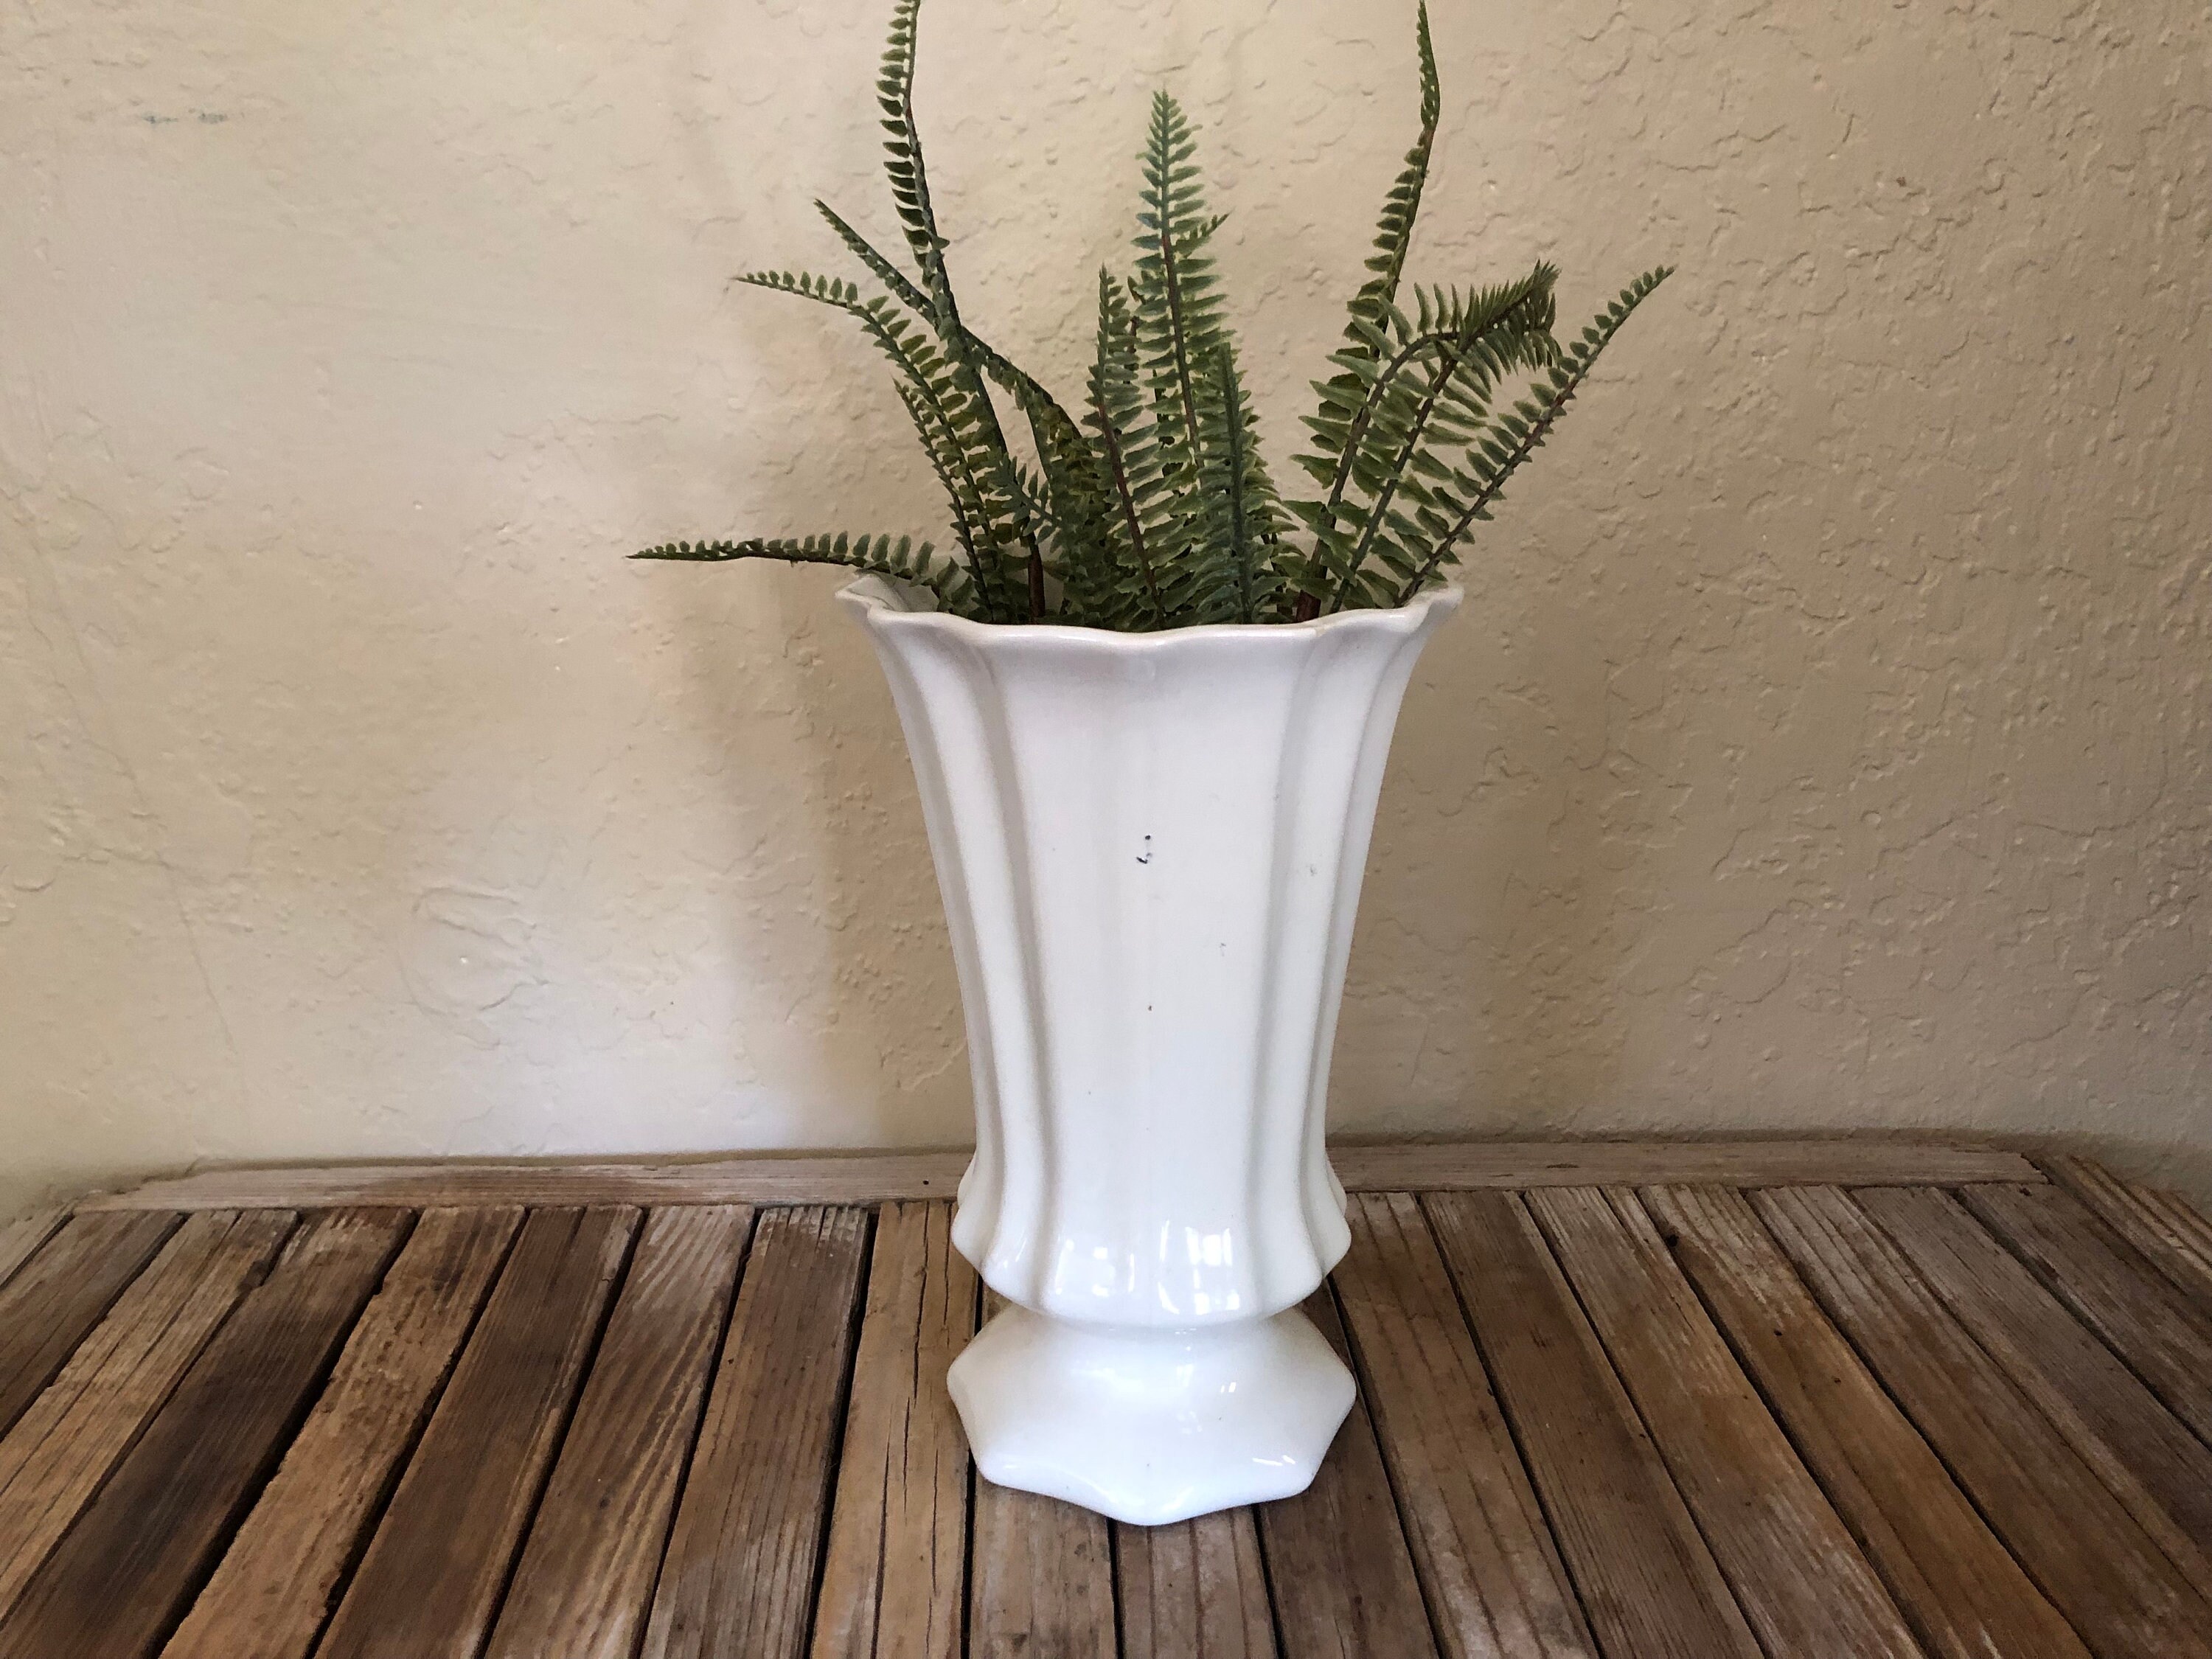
[{"x": 877, "y": 1177}]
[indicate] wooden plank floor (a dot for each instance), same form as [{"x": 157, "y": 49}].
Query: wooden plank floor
[{"x": 1864, "y": 1402}]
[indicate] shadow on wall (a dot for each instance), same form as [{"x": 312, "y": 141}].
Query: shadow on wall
[
  {"x": 1480, "y": 988},
  {"x": 860, "y": 877}
]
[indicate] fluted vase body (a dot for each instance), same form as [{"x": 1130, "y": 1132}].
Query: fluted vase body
[{"x": 1150, "y": 848}]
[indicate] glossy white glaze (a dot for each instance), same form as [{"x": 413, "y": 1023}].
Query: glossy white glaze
[
  {"x": 1151, "y": 1426},
  {"x": 1151, "y": 848}
]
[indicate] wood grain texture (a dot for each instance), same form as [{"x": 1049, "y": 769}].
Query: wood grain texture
[
  {"x": 1042, "y": 1573},
  {"x": 894, "y": 1573},
  {"x": 585, "y": 1584},
  {"x": 1495, "y": 1583},
  {"x": 1338, "y": 1559},
  {"x": 62, "y": 1449},
  {"x": 1478, "y": 1165},
  {"x": 853, "y": 1179},
  {"x": 272, "y": 1592},
  {"x": 1197, "y": 1590},
  {"x": 738, "y": 1575},
  {"x": 22, "y": 1237},
  {"x": 1949, "y": 1420},
  {"x": 2155, "y": 1325},
  {"x": 2158, "y": 1470},
  {"x": 882, "y": 1178},
  {"x": 1964, "y": 1594},
  {"x": 123, "y": 1574},
  {"x": 2109, "y": 1579},
  {"x": 62, "y": 1291},
  {"x": 1649, "y": 1584},
  {"x": 427, "y": 1587},
  {"x": 2162, "y": 1227},
  {"x": 1797, "y": 1571},
  {"x": 1043, "y": 1578}
]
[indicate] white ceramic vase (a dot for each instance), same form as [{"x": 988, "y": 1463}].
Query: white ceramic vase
[{"x": 1150, "y": 847}]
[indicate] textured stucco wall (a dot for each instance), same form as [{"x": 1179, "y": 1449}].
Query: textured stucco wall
[{"x": 1828, "y": 742}]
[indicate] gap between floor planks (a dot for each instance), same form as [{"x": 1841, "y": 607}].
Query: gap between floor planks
[{"x": 882, "y": 1177}]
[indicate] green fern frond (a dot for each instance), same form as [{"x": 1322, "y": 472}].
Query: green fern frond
[
  {"x": 987, "y": 508},
  {"x": 1394, "y": 235},
  {"x": 903, "y": 559},
  {"x": 1243, "y": 515},
  {"x": 903, "y": 148},
  {"x": 1121, "y": 418},
  {"x": 1517, "y": 434},
  {"x": 1401, "y": 209},
  {"x": 1074, "y": 498},
  {"x": 978, "y": 417},
  {"x": 1153, "y": 508},
  {"x": 1412, "y": 386},
  {"x": 1175, "y": 297},
  {"x": 896, "y": 281},
  {"x": 1178, "y": 457}
]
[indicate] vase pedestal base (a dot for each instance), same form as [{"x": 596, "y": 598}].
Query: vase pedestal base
[{"x": 1150, "y": 1427}]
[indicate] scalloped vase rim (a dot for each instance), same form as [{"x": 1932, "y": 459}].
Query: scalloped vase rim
[{"x": 900, "y": 604}]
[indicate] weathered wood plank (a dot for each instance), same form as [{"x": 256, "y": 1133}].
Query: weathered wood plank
[
  {"x": 585, "y": 1584},
  {"x": 62, "y": 1449},
  {"x": 2152, "y": 1465},
  {"x": 273, "y": 1590},
  {"x": 1338, "y": 1561},
  {"x": 857, "y": 1179},
  {"x": 739, "y": 1574},
  {"x": 2114, "y": 1584},
  {"x": 2150, "y": 1321},
  {"x": 1797, "y": 1571},
  {"x": 1043, "y": 1578},
  {"x": 1197, "y": 1590},
  {"x": 2162, "y": 1227},
  {"x": 122, "y": 1575},
  {"x": 1477, "y": 1165},
  {"x": 1495, "y": 1582},
  {"x": 882, "y": 1178},
  {"x": 895, "y": 1571},
  {"x": 24, "y": 1235},
  {"x": 1042, "y": 1573},
  {"x": 1964, "y": 1594},
  {"x": 62, "y": 1291},
  {"x": 1649, "y": 1584},
  {"x": 432, "y": 1575}
]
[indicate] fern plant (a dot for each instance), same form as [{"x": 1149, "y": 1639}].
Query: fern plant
[{"x": 1153, "y": 508}]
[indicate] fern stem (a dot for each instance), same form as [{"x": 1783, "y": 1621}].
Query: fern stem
[
  {"x": 1240, "y": 543},
  {"x": 963, "y": 522},
  {"x": 1171, "y": 278},
  {"x": 1538, "y": 429},
  {"x": 1173, "y": 291},
  {"x": 1356, "y": 433},
  {"x": 1112, "y": 440},
  {"x": 1501, "y": 307},
  {"x": 1398, "y": 226},
  {"x": 1446, "y": 368},
  {"x": 1037, "y": 402},
  {"x": 919, "y": 217},
  {"x": 1579, "y": 363}
]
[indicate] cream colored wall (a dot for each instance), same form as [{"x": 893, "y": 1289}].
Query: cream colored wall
[{"x": 1826, "y": 744}]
